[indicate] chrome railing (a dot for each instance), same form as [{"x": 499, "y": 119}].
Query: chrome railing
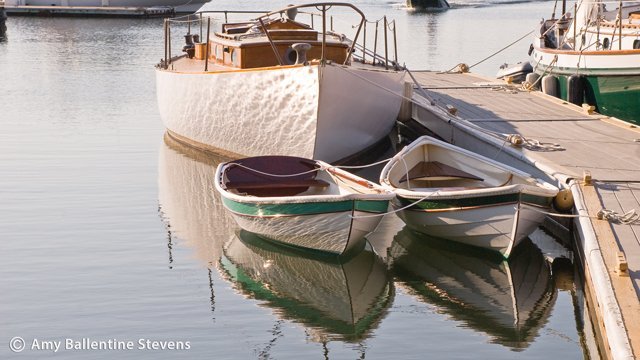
[{"x": 358, "y": 49}]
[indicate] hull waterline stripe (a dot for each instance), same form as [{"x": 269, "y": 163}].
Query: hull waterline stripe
[{"x": 247, "y": 209}]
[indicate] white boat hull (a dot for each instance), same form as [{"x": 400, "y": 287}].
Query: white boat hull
[
  {"x": 499, "y": 228},
  {"x": 326, "y": 113},
  {"x": 332, "y": 219},
  {"x": 569, "y": 62},
  {"x": 465, "y": 197},
  {"x": 334, "y": 233}
]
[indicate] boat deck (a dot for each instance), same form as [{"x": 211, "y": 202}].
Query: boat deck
[
  {"x": 565, "y": 142},
  {"x": 184, "y": 64}
]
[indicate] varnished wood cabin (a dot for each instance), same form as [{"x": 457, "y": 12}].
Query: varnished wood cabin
[{"x": 245, "y": 45}]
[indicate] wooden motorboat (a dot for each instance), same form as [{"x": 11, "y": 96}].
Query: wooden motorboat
[
  {"x": 448, "y": 192},
  {"x": 301, "y": 202},
  {"x": 276, "y": 85}
]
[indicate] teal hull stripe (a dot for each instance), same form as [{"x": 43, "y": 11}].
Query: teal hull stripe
[
  {"x": 374, "y": 206},
  {"x": 477, "y": 201},
  {"x": 613, "y": 95},
  {"x": 305, "y": 208}
]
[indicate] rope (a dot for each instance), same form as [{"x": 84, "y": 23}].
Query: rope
[
  {"x": 396, "y": 210},
  {"x": 361, "y": 166},
  {"x": 375, "y": 84},
  {"x": 518, "y": 140},
  {"x": 464, "y": 68},
  {"x": 560, "y": 215},
  {"x": 501, "y": 50},
  {"x": 532, "y": 144},
  {"x": 631, "y": 217},
  {"x": 531, "y": 87},
  {"x": 321, "y": 168},
  {"x": 279, "y": 175}
]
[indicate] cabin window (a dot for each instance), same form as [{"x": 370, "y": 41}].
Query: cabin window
[
  {"x": 636, "y": 44},
  {"x": 219, "y": 52},
  {"x": 605, "y": 43}
]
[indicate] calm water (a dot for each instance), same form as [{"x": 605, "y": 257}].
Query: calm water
[{"x": 109, "y": 232}]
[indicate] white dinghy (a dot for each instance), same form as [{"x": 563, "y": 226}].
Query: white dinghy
[
  {"x": 301, "y": 202},
  {"x": 451, "y": 193}
]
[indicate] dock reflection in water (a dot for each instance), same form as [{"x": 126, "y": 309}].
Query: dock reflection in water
[
  {"x": 334, "y": 299},
  {"x": 508, "y": 300}
]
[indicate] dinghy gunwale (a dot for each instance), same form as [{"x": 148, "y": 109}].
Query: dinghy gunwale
[
  {"x": 532, "y": 187},
  {"x": 377, "y": 192}
]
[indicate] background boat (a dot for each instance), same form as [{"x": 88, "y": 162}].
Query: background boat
[
  {"x": 180, "y": 6},
  {"x": 592, "y": 58},
  {"x": 428, "y": 5}
]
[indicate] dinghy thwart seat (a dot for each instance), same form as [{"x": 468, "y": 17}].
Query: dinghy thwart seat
[{"x": 436, "y": 171}]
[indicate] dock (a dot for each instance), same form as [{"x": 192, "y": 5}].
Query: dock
[
  {"x": 90, "y": 11},
  {"x": 595, "y": 158}
]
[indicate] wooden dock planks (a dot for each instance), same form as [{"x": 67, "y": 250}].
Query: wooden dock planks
[
  {"x": 607, "y": 148},
  {"x": 614, "y": 240}
]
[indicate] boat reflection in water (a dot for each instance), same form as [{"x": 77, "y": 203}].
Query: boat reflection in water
[
  {"x": 508, "y": 300},
  {"x": 191, "y": 209},
  {"x": 335, "y": 299}
]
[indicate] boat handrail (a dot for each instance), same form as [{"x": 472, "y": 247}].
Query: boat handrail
[
  {"x": 203, "y": 17},
  {"x": 323, "y": 7},
  {"x": 594, "y": 18}
]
